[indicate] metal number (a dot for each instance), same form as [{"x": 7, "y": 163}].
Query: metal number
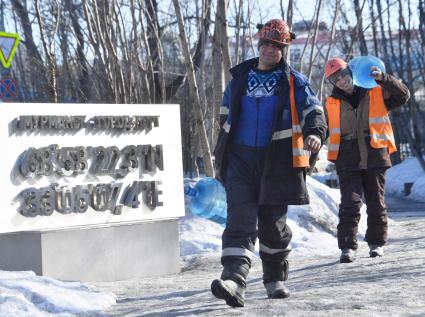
[
  {"x": 80, "y": 157},
  {"x": 100, "y": 197},
  {"x": 129, "y": 162},
  {"x": 29, "y": 164},
  {"x": 131, "y": 195},
  {"x": 28, "y": 199},
  {"x": 46, "y": 201},
  {"x": 66, "y": 162},
  {"x": 81, "y": 199},
  {"x": 64, "y": 200},
  {"x": 45, "y": 160}
]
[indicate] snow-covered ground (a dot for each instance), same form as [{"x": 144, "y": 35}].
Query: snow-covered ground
[
  {"x": 23, "y": 294},
  {"x": 409, "y": 171},
  {"x": 320, "y": 285}
]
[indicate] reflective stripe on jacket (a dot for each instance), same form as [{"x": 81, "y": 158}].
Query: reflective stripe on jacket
[
  {"x": 379, "y": 124},
  {"x": 381, "y": 131},
  {"x": 300, "y": 157},
  {"x": 334, "y": 125}
]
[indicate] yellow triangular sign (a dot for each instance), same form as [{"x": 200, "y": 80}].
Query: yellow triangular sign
[{"x": 8, "y": 44}]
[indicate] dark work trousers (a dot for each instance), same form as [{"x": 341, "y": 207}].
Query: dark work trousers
[
  {"x": 353, "y": 185},
  {"x": 244, "y": 167}
]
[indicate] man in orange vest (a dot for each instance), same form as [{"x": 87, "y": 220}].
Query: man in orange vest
[
  {"x": 271, "y": 119},
  {"x": 361, "y": 140}
]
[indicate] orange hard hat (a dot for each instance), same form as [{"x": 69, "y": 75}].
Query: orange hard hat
[
  {"x": 333, "y": 65},
  {"x": 275, "y": 31}
]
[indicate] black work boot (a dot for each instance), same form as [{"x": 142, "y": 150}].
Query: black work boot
[
  {"x": 276, "y": 290},
  {"x": 347, "y": 256},
  {"x": 274, "y": 273},
  {"x": 376, "y": 250},
  {"x": 230, "y": 291},
  {"x": 232, "y": 284}
]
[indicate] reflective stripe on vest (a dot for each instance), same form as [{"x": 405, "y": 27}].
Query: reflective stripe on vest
[
  {"x": 381, "y": 131},
  {"x": 300, "y": 157},
  {"x": 380, "y": 127},
  {"x": 333, "y": 109}
]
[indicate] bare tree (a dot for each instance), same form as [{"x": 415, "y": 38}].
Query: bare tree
[
  {"x": 359, "y": 27},
  {"x": 48, "y": 41},
  {"x": 413, "y": 105},
  {"x": 335, "y": 16},
  {"x": 374, "y": 30},
  {"x": 220, "y": 61},
  {"x": 239, "y": 18},
  {"x": 384, "y": 43},
  {"x": 37, "y": 68},
  {"x": 209, "y": 169},
  {"x": 313, "y": 44},
  {"x": 74, "y": 12},
  {"x": 223, "y": 40},
  {"x": 289, "y": 16}
]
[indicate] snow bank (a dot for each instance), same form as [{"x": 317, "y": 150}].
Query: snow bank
[
  {"x": 313, "y": 226},
  {"x": 408, "y": 171},
  {"x": 25, "y": 294}
]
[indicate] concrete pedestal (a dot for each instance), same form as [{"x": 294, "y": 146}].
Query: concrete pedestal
[{"x": 109, "y": 253}]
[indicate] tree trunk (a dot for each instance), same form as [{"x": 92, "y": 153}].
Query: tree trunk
[
  {"x": 359, "y": 26},
  {"x": 289, "y": 16},
  {"x": 239, "y": 13},
  {"x": 313, "y": 44},
  {"x": 374, "y": 31},
  {"x": 383, "y": 44},
  {"x": 417, "y": 143},
  {"x": 49, "y": 52},
  {"x": 83, "y": 81},
  {"x": 221, "y": 20},
  {"x": 209, "y": 169},
  {"x": 38, "y": 70},
  {"x": 328, "y": 52}
]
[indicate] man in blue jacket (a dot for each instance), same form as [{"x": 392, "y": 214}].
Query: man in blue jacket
[{"x": 271, "y": 120}]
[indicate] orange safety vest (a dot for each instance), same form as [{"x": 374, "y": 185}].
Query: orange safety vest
[
  {"x": 381, "y": 131},
  {"x": 300, "y": 157}
]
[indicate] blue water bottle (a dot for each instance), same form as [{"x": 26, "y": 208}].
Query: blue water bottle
[{"x": 208, "y": 200}]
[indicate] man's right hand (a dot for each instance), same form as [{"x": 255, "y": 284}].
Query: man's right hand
[{"x": 312, "y": 143}]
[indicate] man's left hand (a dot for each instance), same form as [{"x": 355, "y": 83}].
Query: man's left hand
[{"x": 312, "y": 143}]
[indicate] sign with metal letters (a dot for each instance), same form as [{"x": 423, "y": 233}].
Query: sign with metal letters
[{"x": 67, "y": 165}]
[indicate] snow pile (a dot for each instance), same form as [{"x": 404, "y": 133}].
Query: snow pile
[
  {"x": 313, "y": 226},
  {"x": 408, "y": 171},
  {"x": 324, "y": 171},
  {"x": 25, "y": 294},
  {"x": 199, "y": 235}
]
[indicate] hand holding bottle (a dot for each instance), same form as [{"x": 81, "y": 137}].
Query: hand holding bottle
[{"x": 376, "y": 73}]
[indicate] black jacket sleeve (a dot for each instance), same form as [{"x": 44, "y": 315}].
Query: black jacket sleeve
[{"x": 395, "y": 92}]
